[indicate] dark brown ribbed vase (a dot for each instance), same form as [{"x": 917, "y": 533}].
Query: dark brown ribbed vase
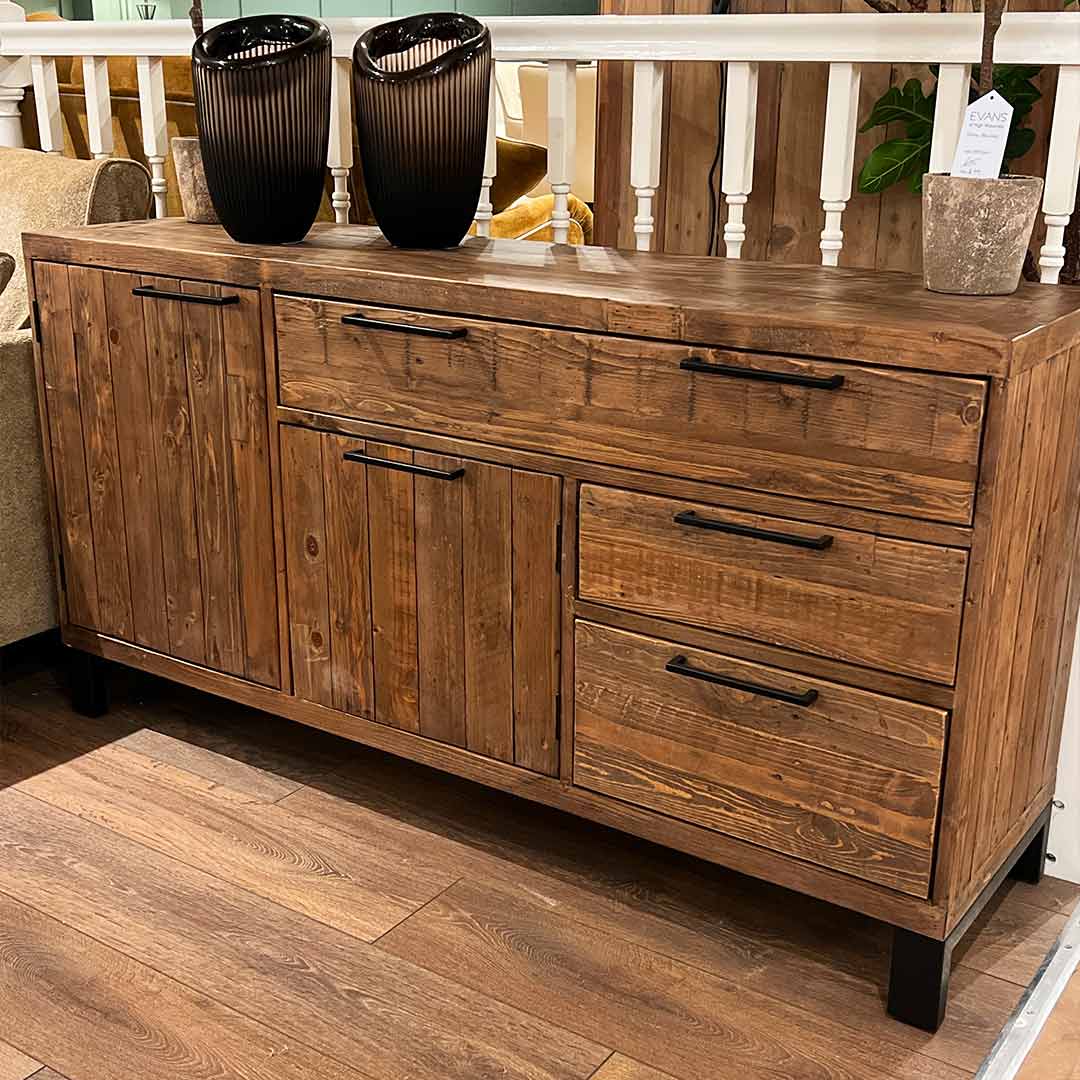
[
  {"x": 422, "y": 87},
  {"x": 262, "y": 101}
]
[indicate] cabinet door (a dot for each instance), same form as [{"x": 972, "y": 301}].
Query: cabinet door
[
  {"x": 158, "y": 429},
  {"x": 423, "y": 592}
]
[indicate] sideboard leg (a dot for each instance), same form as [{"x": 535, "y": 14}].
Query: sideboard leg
[
  {"x": 89, "y": 694},
  {"x": 919, "y": 979},
  {"x": 1032, "y": 862}
]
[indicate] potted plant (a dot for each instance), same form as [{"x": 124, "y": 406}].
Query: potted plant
[
  {"x": 187, "y": 158},
  {"x": 976, "y": 229}
]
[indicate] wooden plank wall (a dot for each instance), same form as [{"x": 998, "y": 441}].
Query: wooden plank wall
[{"x": 784, "y": 215}]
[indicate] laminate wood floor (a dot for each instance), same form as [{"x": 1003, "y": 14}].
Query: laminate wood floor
[{"x": 193, "y": 890}]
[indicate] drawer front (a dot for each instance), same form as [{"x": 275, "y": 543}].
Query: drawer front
[
  {"x": 890, "y": 440},
  {"x": 887, "y": 604},
  {"x": 843, "y": 778}
]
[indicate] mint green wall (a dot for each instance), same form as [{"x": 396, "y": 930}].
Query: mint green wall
[{"x": 228, "y": 9}]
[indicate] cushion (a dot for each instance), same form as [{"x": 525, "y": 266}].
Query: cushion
[
  {"x": 48, "y": 192},
  {"x": 531, "y": 219},
  {"x": 7, "y": 268}
]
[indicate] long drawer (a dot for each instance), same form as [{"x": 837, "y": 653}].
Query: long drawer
[
  {"x": 893, "y": 440},
  {"x": 839, "y": 777},
  {"x": 888, "y": 604}
]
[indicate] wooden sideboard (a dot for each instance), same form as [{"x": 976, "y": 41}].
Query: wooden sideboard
[{"x": 773, "y": 566}]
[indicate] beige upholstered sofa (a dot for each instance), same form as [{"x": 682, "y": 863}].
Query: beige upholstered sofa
[{"x": 39, "y": 193}]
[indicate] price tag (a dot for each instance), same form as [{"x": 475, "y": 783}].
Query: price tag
[{"x": 981, "y": 148}]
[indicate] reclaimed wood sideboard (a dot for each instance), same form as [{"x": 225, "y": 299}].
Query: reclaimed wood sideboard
[{"x": 776, "y": 566}]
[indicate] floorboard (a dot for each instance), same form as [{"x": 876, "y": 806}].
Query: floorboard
[
  {"x": 365, "y": 912},
  {"x": 15, "y": 1065},
  {"x": 1056, "y": 1053}
]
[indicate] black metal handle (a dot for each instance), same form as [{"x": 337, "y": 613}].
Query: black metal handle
[
  {"x": 185, "y": 297},
  {"x": 403, "y": 466},
  {"x": 815, "y": 543},
  {"x": 679, "y": 665},
  {"x": 404, "y": 328},
  {"x": 818, "y": 382}
]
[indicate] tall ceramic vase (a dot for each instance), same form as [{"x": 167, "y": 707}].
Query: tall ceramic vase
[
  {"x": 422, "y": 86},
  {"x": 262, "y": 102}
]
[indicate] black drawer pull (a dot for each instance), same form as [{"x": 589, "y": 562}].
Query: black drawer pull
[
  {"x": 818, "y": 382},
  {"x": 403, "y": 328},
  {"x": 184, "y": 297},
  {"x": 403, "y": 466},
  {"x": 815, "y": 543},
  {"x": 679, "y": 665}
]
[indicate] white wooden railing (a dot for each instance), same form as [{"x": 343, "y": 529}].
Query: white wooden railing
[{"x": 844, "y": 41}]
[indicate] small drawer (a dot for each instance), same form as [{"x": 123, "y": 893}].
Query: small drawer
[
  {"x": 840, "y": 777},
  {"x": 889, "y": 604},
  {"x": 887, "y": 439}
]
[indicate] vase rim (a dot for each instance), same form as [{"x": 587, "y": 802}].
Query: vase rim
[
  {"x": 412, "y": 30},
  {"x": 316, "y": 35}
]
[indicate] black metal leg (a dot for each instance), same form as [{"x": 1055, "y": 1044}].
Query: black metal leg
[
  {"x": 1032, "y": 862},
  {"x": 89, "y": 694},
  {"x": 919, "y": 979}
]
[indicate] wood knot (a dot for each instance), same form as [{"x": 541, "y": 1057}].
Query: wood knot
[
  {"x": 971, "y": 413},
  {"x": 114, "y": 336},
  {"x": 312, "y": 546},
  {"x": 316, "y": 639}
]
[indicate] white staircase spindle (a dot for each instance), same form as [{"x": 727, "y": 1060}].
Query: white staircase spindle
[
  {"x": 339, "y": 154},
  {"x": 155, "y": 132},
  {"x": 838, "y": 155},
  {"x": 483, "y": 207},
  {"x": 740, "y": 125},
  {"x": 99, "y": 129},
  {"x": 1062, "y": 167},
  {"x": 645, "y": 149},
  {"x": 47, "y": 100},
  {"x": 953, "y": 92},
  {"x": 562, "y": 129},
  {"x": 14, "y": 77}
]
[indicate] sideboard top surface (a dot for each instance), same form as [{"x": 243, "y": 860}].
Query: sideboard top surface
[{"x": 875, "y": 316}]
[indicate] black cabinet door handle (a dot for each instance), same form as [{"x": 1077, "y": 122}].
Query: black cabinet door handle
[
  {"x": 184, "y": 297},
  {"x": 679, "y": 665},
  {"x": 403, "y": 466},
  {"x": 817, "y": 382},
  {"x": 404, "y": 328},
  {"x": 815, "y": 543}
]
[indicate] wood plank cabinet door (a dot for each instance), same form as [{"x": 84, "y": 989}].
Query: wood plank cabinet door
[
  {"x": 155, "y": 392},
  {"x": 424, "y": 593}
]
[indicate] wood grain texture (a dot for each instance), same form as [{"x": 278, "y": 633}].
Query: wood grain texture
[
  {"x": 536, "y": 602},
  {"x": 15, "y": 1065},
  {"x": 392, "y": 532},
  {"x": 138, "y": 461},
  {"x": 66, "y": 439},
  {"x": 362, "y": 891},
  {"x": 78, "y": 1003},
  {"x": 683, "y": 1020},
  {"x": 177, "y": 500},
  {"x": 90, "y": 322},
  {"x": 823, "y": 781},
  {"x": 694, "y": 299},
  {"x": 314, "y": 985},
  {"x": 863, "y": 599},
  {"x": 1020, "y": 608},
  {"x": 902, "y": 442},
  {"x": 862, "y": 896},
  {"x": 618, "y": 1067}
]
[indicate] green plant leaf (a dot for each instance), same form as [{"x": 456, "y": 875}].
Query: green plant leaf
[
  {"x": 1020, "y": 141},
  {"x": 892, "y": 161},
  {"x": 907, "y": 104}
]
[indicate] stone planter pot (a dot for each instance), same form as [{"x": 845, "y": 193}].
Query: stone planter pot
[
  {"x": 191, "y": 180},
  {"x": 976, "y": 232}
]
